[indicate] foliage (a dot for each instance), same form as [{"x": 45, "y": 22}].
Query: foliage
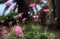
[
  {"x": 10, "y": 36},
  {"x": 32, "y": 32},
  {"x": 11, "y": 15},
  {"x": 2, "y": 17}
]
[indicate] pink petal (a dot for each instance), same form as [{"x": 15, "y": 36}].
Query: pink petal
[
  {"x": 46, "y": 10},
  {"x": 32, "y": 5}
]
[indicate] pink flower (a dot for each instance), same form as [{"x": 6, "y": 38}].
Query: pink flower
[
  {"x": 32, "y": 5},
  {"x": 8, "y": 3},
  {"x": 46, "y": 10},
  {"x": 15, "y": 17},
  {"x": 55, "y": 19},
  {"x": 18, "y": 16},
  {"x": 10, "y": 22},
  {"x": 4, "y": 33},
  {"x": 24, "y": 19},
  {"x": 2, "y": 21},
  {"x": 18, "y": 31},
  {"x": 4, "y": 27},
  {"x": 35, "y": 17}
]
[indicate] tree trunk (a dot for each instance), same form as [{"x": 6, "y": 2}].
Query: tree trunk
[
  {"x": 23, "y": 8},
  {"x": 54, "y": 8},
  {"x": 58, "y": 12}
]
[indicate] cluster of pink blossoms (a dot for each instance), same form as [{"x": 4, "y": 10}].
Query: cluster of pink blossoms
[{"x": 18, "y": 31}]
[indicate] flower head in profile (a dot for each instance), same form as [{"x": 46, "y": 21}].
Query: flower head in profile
[
  {"x": 32, "y": 5},
  {"x": 18, "y": 16},
  {"x": 24, "y": 19},
  {"x": 46, "y": 10},
  {"x": 18, "y": 31},
  {"x": 8, "y": 3}
]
